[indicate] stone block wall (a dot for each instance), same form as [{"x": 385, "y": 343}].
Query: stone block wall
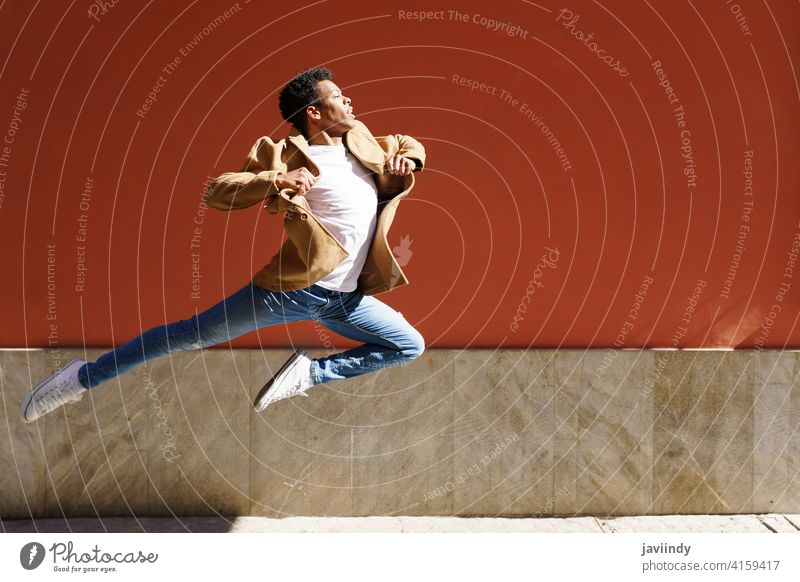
[{"x": 478, "y": 432}]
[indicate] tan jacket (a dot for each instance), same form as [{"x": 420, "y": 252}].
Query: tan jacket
[{"x": 311, "y": 251}]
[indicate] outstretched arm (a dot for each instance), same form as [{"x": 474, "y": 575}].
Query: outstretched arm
[{"x": 254, "y": 183}]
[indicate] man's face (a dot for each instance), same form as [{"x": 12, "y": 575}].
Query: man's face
[{"x": 334, "y": 113}]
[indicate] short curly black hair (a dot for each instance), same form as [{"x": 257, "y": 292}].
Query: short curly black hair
[{"x": 301, "y": 92}]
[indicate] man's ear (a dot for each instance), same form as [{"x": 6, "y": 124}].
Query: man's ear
[{"x": 313, "y": 112}]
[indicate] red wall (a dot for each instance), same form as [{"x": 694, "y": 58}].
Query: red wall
[{"x": 618, "y": 207}]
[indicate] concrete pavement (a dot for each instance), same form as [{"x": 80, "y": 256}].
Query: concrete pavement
[{"x": 765, "y": 523}]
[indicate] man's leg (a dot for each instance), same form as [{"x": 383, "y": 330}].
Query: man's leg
[
  {"x": 247, "y": 309},
  {"x": 389, "y": 339}
]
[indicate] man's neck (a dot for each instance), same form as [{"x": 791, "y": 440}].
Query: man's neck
[{"x": 323, "y": 138}]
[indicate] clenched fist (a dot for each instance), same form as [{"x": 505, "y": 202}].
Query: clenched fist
[{"x": 300, "y": 180}]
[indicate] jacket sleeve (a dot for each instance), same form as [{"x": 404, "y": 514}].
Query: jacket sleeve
[
  {"x": 404, "y": 145},
  {"x": 254, "y": 183}
]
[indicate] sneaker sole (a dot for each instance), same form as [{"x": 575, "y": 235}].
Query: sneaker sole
[
  {"x": 27, "y": 402},
  {"x": 287, "y": 367}
]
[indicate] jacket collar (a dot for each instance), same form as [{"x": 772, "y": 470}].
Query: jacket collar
[{"x": 361, "y": 143}]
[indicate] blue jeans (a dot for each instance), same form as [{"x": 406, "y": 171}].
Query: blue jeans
[{"x": 389, "y": 339}]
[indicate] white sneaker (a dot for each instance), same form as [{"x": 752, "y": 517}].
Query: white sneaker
[
  {"x": 292, "y": 379},
  {"x": 59, "y": 389}
]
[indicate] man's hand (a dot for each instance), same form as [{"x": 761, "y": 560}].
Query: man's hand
[
  {"x": 400, "y": 165},
  {"x": 300, "y": 180}
]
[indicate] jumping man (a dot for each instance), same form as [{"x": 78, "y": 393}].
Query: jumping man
[{"x": 339, "y": 187}]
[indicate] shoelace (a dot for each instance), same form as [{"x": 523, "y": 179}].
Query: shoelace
[
  {"x": 55, "y": 397},
  {"x": 51, "y": 399},
  {"x": 294, "y": 390}
]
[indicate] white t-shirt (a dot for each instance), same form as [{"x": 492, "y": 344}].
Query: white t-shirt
[{"x": 345, "y": 200}]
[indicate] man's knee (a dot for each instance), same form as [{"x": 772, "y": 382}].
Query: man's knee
[{"x": 414, "y": 345}]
